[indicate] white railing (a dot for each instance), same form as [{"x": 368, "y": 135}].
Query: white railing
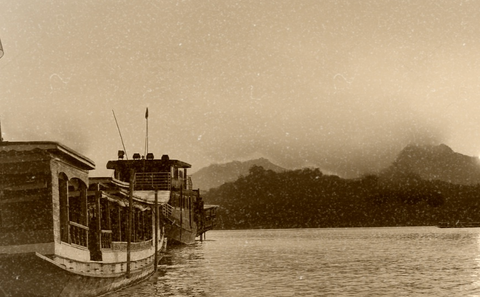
[
  {"x": 153, "y": 181},
  {"x": 106, "y": 239},
  {"x": 79, "y": 234}
]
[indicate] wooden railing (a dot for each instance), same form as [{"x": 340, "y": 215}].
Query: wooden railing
[
  {"x": 167, "y": 210},
  {"x": 106, "y": 239},
  {"x": 79, "y": 234},
  {"x": 153, "y": 180}
]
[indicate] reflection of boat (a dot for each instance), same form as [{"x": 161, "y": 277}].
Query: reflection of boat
[
  {"x": 185, "y": 214},
  {"x": 63, "y": 234},
  {"x": 459, "y": 224}
]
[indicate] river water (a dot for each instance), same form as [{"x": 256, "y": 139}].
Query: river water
[{"x": 405, "y": 261}]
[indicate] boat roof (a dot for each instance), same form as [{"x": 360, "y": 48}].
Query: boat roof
[
  {"x": 122, "y": 164},
  {"x": 50, "y": 146}
]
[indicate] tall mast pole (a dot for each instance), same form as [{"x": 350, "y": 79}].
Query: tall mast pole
[
  {"x": 130, "y": 220},
  {"x": 156, "y": 229},
  {"x": 146, "y": 136}
]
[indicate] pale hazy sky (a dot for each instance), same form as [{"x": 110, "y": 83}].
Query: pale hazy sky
[{"x": 340, "y": 85}]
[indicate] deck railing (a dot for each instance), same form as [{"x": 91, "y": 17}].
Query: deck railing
[
  {"x": 167, "y": 210},
  {"x": 153, "y": 180},
  {"x": 79, "y": 234},
  {"x": 106, "y": 239},
  {"x": 135, "y": 246}
]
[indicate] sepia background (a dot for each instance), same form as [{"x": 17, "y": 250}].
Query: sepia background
[{"x": 339, "y": 85}]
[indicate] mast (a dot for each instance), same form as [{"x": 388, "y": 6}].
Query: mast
[
  {"x": 181, "y": 212},
  {"x": 129, "y": 220},
  {"x": 156, "y": 230},
  {"x": 146, "y": 136}
]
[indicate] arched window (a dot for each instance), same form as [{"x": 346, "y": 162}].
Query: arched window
[{"x": 77, "y": 199}]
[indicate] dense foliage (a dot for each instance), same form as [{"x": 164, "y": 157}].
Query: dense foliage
[{"x": 307, "y": 198}]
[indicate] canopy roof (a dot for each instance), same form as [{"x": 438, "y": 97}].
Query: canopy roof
[{"x": 55, "y": 148}]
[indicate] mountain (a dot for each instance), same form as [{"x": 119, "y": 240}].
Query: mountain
[
  {"x": 435, "y": 163},
  {"x": 424, "y": 186},
  {"x": 218, "y": 174},
  {"x": 306, "y": 198}
]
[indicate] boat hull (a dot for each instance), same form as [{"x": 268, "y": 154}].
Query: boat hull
[
  {"x": 177, "y": 235},
  {"x": 32, "y": 274}
]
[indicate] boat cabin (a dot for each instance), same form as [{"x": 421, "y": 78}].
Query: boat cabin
[
  {"x": 65, "y": 234},
  {"x": 150, "y": 173},
  {"x": 43, "y": 198}
]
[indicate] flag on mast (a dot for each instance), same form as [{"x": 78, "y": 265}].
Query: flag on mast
[{"x": 146, "y": 113}]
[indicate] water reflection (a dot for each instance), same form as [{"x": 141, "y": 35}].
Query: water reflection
[
  {"x": 476, "y": 269},
  {"x": 326, "y": 262}
]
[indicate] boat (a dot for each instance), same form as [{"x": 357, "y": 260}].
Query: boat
[
  {"x": 184, "y": 213},
  {"x": 65, "y": 234}
]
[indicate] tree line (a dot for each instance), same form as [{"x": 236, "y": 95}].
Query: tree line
[{"x": 307, "y": 198}]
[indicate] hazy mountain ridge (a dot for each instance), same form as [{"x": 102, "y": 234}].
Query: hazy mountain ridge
[
  {"x": 435, "y": 163},
  {"x": 421, "y": 190},
  {"x": 217, "y": 174},
  {"x": 429, "y": 162}
]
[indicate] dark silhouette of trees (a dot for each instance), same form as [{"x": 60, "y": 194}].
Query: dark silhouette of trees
[{"x": 307, "y": 198}]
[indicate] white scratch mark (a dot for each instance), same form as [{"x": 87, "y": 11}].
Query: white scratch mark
[
  {"x": 346, "y": 80},
  {"x": 341, "y": 75},
  {"x": 59, "y": 77}
]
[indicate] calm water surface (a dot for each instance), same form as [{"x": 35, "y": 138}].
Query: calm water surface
[{"x": 408, "y": 261}]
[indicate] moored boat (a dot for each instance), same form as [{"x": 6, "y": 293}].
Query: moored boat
[
  {"x": 65, "y": 234},
  {"x": 184, "y": 212}
]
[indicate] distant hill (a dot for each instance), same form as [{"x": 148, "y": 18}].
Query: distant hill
[
  {"x": 435, "y": 163},
  {"x": 218, "y": 174},
  {"x": 306, "y": 198},
  {"x": 424, "y": 186}
]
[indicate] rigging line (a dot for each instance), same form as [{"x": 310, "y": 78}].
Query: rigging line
[{"x": 121, "y": 138}]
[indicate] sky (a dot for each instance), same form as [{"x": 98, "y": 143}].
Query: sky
[{"x": 338, "y": 85}]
